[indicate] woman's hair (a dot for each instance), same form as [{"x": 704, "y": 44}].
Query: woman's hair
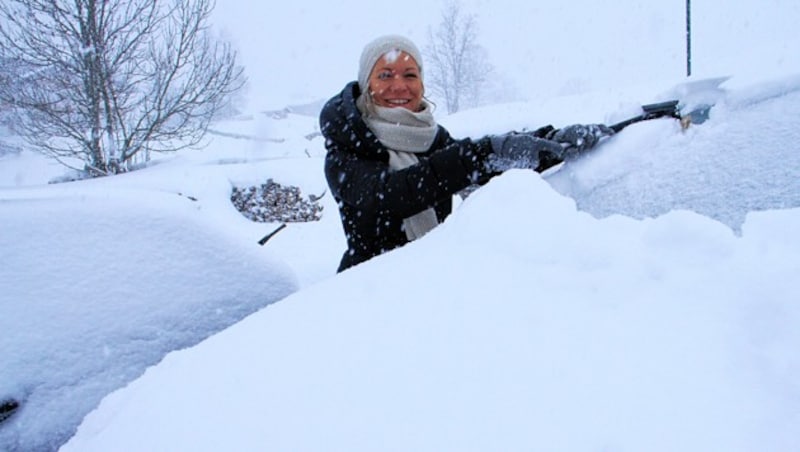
[{"x": 431, "y": 103}]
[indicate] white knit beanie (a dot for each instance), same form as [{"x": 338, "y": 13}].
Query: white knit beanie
[{"x": 379, "y": 47}]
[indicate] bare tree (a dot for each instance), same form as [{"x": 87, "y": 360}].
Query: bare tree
[
  {"x": 109, "y": 81},
  {"x": 458, "y": 67}
]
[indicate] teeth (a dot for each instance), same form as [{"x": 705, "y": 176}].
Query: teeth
[{"x": 398, "y": 102}]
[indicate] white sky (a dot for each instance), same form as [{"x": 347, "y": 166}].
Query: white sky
[{"x": 299, "y": 50}]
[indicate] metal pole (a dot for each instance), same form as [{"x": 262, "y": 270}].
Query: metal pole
[{"x": 688, "y": 38}]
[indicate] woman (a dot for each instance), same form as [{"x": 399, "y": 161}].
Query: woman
[{"x": 393, "y": 170}]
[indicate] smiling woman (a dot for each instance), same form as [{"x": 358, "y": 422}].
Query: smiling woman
[{"x": 393, "y": 170}]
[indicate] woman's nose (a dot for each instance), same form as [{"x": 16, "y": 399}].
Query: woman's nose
[{"x": 398, "y": 82}]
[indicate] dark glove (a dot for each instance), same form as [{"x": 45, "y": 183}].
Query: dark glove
[
  {"x": 520, "y": 150},
  {"x": 578, "y": 138}
]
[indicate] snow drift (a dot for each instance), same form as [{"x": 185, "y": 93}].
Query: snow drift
[
  {"x": 525, "y": 322},
  {"x": 100, "y": 283}
]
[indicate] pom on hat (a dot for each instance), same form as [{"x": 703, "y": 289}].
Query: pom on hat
[{"x": 380, "y": 47}]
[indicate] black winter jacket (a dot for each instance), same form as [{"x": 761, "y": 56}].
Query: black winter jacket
[{"x": 373, "y": 200}]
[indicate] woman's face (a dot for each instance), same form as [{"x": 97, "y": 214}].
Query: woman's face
[{"x": 395, "y": 81}]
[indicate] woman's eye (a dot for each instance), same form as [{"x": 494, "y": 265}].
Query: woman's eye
[
  {"x": 385, "y": 75},
  {"x": 411, "y": 75}
]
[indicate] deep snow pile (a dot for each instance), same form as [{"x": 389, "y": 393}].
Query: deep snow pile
[
  {"x": 522, "y": 311},
  {"x": 548, "y": 330},
  {"x": 523, "y": 322},
  {"x": 99, "y": 283}
]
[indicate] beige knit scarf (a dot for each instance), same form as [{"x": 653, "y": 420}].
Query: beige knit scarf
[{"x": 405, "y": 133}]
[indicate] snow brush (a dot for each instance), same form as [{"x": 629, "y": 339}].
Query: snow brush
[
  {"x": 697, "y": 98},
  {"x": 668, "y": 109},
  {"x": 652, "y": 111}
]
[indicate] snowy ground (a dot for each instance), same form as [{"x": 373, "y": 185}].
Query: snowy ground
[{"x": 529, "y": 320}]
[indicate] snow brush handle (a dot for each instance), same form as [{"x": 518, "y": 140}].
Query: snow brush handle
[{"x": 651, "y": 111}]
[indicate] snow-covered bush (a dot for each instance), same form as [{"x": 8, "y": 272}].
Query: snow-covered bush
[{"x": 273, "y": 202}]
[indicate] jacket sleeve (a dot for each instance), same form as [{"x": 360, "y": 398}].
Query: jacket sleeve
[{"x": 370, "y": 184}]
